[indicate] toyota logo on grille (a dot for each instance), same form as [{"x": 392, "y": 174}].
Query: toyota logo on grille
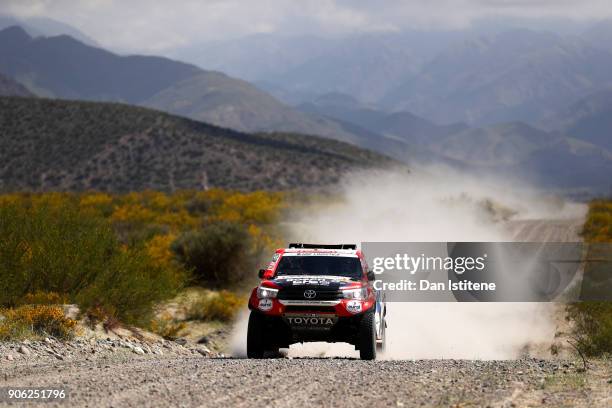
[{"x": 310, "y": 294}]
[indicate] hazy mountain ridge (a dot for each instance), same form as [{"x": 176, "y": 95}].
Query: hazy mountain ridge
[
  {"x": 400, "y": 125},
  {"x": 589, "y": 119},
  {"x": 477, "y": 75},
  {"x": 9, "y": 87},
  {"x": 518, "y": 75},
  {"x": 67, "y": 145},
  {"x": 41, "y": 26},
  {"x": 63, "y": 67},
  {"x": 66, "y": 68}
]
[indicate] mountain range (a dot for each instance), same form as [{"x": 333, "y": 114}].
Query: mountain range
[
  {"x": 517, "y": 75},
  {"x": 529, "y": 103},
  {"x": 63, "y": 67},
  {"x": 479, "y": 75},
  {"x": 574, "y": 155}
]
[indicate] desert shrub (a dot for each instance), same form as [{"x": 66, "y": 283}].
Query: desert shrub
[
  {"x": 45, "y": 249},
  {"x": 130, "y": 286},
  {"x": 222, "y": 305},
  {"x": 592, "y": 326},
  {"x": 37, "y": 320},
  {"x": 592, "y": 319},
  {"x": 166, "y": 326},
  {"x": 43, "y": 298},
  {"x": 220, "y": 254},
  {"x": 598, "y": 226},
  {"x": 59, "y": 249}
]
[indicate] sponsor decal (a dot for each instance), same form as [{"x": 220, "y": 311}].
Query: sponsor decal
[
  {"x": 354, "y": 306},
  {"x": 265, "y": 304},
  {"x": 310, "y": 321},
  {"x": 308, "y": 253},
  {"x": 314, "y": 280},
  {"x": 309, "y": 281}
]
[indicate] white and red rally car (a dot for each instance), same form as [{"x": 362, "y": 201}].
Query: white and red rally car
[{"x": 313, "y": 292}]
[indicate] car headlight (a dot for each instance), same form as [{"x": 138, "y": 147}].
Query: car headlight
[
  {"x": 360, "y": 293},
  {"x": 266, "y": 293}
]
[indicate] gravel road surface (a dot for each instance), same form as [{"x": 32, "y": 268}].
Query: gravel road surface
[{"x": 123, "y": 379}]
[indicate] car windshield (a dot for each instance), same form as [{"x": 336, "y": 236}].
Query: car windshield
[{"x": 349, "y": 267}]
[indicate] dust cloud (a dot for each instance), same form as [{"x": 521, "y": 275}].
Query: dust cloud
[{"x": 433, "y": 204}]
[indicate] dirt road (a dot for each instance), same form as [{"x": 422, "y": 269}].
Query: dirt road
[{"x": 564, "y": 230}]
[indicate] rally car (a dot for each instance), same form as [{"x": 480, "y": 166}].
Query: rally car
[{"x": 311, "y": 292}]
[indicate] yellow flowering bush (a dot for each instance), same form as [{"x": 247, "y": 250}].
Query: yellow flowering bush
[
  {"x": 43, "y": 298},
  {"x": 123, "y": 253},
  {"x": 37, "y": 320},
  {"x": 159, "y": 250}
]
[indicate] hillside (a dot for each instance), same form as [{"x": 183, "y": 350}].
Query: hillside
[
  {"x": 62, "y": 145},
  {"x": 546, "y": 159},
  {"x": 496, "y": 145},
  {"x": 400, "y": 126},
  {"x": 8, "y": 87},
  {"x": 218, "y": 99}
]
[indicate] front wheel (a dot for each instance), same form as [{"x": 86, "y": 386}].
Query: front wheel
[
  {"x": 367, "y": 337},
  {"x": 255, "y": 339}
]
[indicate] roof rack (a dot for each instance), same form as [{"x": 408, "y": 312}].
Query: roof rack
[{"x": 322, "y": 246}]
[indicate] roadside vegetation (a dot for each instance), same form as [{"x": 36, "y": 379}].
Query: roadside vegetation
[
  {"x": 592, "y": 319},
  {"x": 119, "y": 256}
]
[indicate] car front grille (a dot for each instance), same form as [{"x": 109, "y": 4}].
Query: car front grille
[{"x": 297, "y": 293}]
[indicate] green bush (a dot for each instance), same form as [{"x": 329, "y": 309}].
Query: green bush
[
  {"x": 592, "y": 327},
  {"x": 62, "y": 250},
  {"x": 220, "y": 254}
]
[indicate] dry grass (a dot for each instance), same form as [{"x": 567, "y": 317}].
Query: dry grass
[{"x": 222, "y": 305}]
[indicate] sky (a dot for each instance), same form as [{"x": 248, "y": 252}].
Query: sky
[{"x": 152, "y": 26}]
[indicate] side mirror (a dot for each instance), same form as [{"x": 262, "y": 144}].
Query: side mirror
[
  {"x": 371, "y": 276},
  {"x": 261, "y": 273}
]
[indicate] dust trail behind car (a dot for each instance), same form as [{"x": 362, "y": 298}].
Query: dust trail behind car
[{"x": 436, "y": 204}]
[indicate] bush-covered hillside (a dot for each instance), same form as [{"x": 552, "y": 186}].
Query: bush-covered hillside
[
  {"x": 118, "y": 256},
  {"x": 71, "y": 146}
]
